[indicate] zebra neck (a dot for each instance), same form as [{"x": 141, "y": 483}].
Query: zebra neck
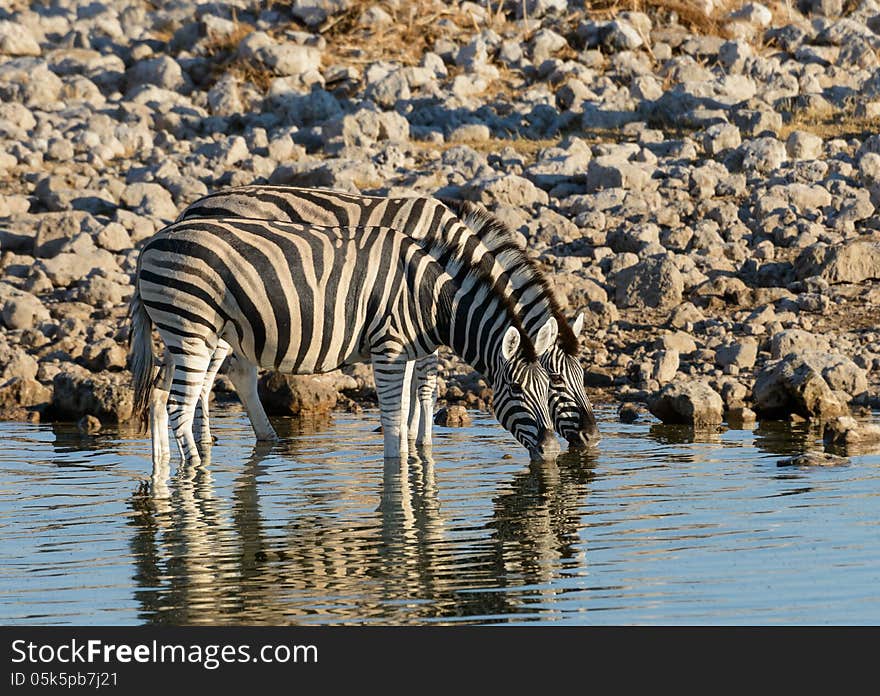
[{"x": 477, "y": 321}]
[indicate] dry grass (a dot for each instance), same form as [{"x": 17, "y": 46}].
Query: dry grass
[
  {"x": 223, "y": 51},
  {"x": 690, "y": 14},
  {"x": 406, "y": 39},
  {"x": 214, "y": 46},
  {"x": 248, "y": 71},
  {"x": 828, "y": 126}
]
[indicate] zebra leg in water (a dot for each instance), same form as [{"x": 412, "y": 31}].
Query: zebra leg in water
[
  {"x": 423, "y": 392},
  {"x": 202, "y": 421},
  {"x": 159, "y": 413},
  {"x": 392, "y": 376},
  {"x": 244, "y": 378},
  {"x": 187, "y": 367}
]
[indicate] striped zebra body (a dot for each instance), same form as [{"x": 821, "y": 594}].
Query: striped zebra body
[
  {"x": 306, "y": 299},
  {"x": 458, "y": 238}
]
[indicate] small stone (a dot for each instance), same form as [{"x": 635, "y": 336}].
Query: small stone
[
  {"x": 825, "y": 8},
  {"x": 742, "y": 354},
  {"x": 802, "y": 145},
  {"x": 630, "y": 413},
  {"x": 470, "y": 133},
  {"x": 611, "y": 172},
  {"x": 753, "y": 13},
  {"x": 665, "y": 366},
  {"x": 164, "y": 72},
  {"x": 149, "y": 199},
  {"x": 794, "y": 341},
  {"x": 23, "y": 392},
  {"x": 598, "y": 377},
  {"x": 507, "y": 189},
  {"x": 719, "y": 137},
  {"x": 21, "y": 310},
  {"x": 762, "y": 155},
  {"x": 622, "y": 36},
  {"x": 756, "y": 123},
  {"x": 88, "y": 425},
  {"x": 741, "y": 417},
  {"x": 77, "y": 392},
  {"x": 813, "y": 459},
  {"x": 684, "y": 314}
]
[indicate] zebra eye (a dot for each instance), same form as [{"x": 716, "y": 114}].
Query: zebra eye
[
  {"x": 516, "y": 389},
  {"x": 556, "y": 381}
]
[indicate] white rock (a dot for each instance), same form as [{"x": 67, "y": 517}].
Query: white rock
[
  {"x": 754, "y": 13},
  {"x": 802, "y": 145},
  {"x": 17, "y": 40}
]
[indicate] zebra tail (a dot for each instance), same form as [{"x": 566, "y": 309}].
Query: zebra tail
[{"x": 140, "y": 356}]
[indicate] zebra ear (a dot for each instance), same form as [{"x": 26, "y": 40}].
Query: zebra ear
[
  {"x": 546, "y": 336},
  {"x": 578, "y": 325},
  {"x": 510, "y": 343}
]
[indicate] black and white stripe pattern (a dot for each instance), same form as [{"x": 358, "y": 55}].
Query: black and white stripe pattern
[
  {"x": 458, "y": 238},
  {"x": 306, "y": 299}
]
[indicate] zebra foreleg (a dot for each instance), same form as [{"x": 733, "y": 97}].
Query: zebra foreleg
[
  {"x": 426, "y": 380},
  {"x": 392, "y": 376},
  {"x": 244, "y": 379},
  {"x": 414, "y": 418},
  {"x": 159, "y": 415},
  {"x": 202, "y": 421}
]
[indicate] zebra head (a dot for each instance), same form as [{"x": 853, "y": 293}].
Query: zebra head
[
  {"x": 570, "y": 406},
  {"x": 521, "y": 393}
]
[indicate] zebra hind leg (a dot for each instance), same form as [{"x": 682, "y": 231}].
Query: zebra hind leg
[
  {"x": 426, "y": 379},
  {"x": 188, "y": 375},
  {"x": 414, "y": 418},
  {"x": 159, "y": 415},
  {"x": 202, "y": 424},
  {"x": 392, "y": 376}
]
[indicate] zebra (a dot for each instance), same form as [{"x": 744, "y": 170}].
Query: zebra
[
  {"x": 306, "y": 299},
  {"x": 456, "y": 231}
]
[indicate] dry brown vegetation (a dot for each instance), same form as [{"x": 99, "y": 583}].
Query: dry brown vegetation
[
  {"x": 412, "y": 33},
  {"x": 836, "y": 124},
  {"x": 689, "y": 13}
]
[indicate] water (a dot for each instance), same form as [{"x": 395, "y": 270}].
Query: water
[{"x": 658, "y": 526}]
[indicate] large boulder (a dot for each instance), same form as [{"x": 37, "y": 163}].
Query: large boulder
[
  {"x": 17, "y": 40},
  {"x": 796, "y": 341},
  {"x": 847, "y": 263},
  {"x": 690, "y": 403},
  {"x": 653, "y": 282},
  {"x": 293, "y": 395},
  {"x": 795, "y": 384},
  {"x": 21, "y": 392},
  {"x": 504, "y": 189},
  {"x": 846, "y": 432},
  {"x": 77, "y": 392}
]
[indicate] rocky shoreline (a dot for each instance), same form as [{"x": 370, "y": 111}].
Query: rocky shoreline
[{"x": 702, "y": 184}]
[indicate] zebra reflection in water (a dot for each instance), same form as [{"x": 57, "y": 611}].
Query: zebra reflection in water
[{"x": 291, "y": 546}]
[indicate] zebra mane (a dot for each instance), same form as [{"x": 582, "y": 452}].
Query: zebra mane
[
  {"x": 481, "y": 275},
  {"x": 514, "y": 259}
]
